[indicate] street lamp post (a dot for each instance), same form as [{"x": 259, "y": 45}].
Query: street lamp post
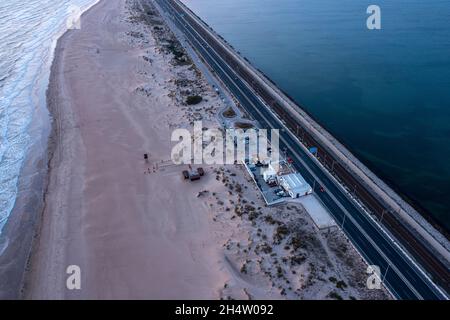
[
  {"x": 386, "y": 271},
  {"x": 382, "y": 215}
]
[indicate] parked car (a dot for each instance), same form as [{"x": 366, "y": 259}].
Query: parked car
[
  {"x": 272, "y": 183},
  {"x": 194, "y": 176},
  {"x": 281, "y": 193},
  {"x": 201, "y": 172},
  {"x": 185, "y": 174}
]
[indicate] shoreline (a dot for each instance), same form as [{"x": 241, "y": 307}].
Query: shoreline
[
  {"x": 50, "y": 152},
  {"x": 52, "y": 146},
  {"x": 21, "y": 230}
]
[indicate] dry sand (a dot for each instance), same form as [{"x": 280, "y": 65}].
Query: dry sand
[{"x": 135, "y": 228}]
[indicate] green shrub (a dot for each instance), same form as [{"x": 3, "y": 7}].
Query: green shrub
[
  {"x": 229, "y": 113},
  {"x": 334, "y": 295},
  {"x": 341, "y": 284},
  {"x": 193, "y": 100}
]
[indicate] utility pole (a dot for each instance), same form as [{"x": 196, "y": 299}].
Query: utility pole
[
  {"x": 382, "y": 215},
  {"x": 386, "y": 271}
]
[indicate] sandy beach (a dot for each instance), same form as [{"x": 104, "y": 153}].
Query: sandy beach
[{"x": 135, "y": 228}]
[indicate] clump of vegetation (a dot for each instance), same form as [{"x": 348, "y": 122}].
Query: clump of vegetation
[
  {"x": 332, "y": 279},
  {"x": 135, "y": 34},
  {"x": 253, "y": 215},
  {"x": 174, "y": 47},
  {"x": 280, "y": 233},
  {"x": 229, "y": 113},
  {"x": 298, "y": 259},
  {"x": 334, "y": 295},
  {"x": 249, "y": 207},
  {"x": 243, "y": 125},
  {"x": 147, "y": 59},
  {"x": 341, "y": 285},
  {"x": 296, "y": 242},
  {"x": 149, "y": 10},
  {"x": 279, "y": 272},
  {"x": 175, "y": 50},
  {"x": 270, "y": 220},
  {"x": 238, "y": 210},
  {"x": 244, "y": 268},
  {"x": 191, "y": 100},
  {"x": 265, "y": 248},
  {"x": 147, "y": 15}
]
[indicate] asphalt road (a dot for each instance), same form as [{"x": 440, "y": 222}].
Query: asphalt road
[{"x": 400, "y": 275}]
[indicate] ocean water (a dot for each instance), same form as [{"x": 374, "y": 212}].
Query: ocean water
[
  {"x": 28, "y": 33},
  {"x": 384, "y": 93}
]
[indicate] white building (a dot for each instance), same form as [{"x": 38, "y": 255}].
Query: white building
[{"x": 295, "y": 185}]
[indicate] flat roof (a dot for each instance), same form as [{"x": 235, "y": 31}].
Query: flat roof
[
  {"x": 296, "y": 182},
  {"x": 317, "y": 211}
]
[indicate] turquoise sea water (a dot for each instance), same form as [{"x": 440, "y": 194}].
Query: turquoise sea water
[{"x": 383, "y": 93}]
